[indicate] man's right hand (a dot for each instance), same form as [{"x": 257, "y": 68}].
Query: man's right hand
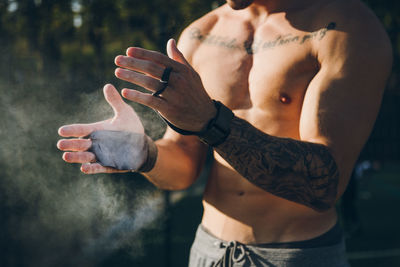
[{"x": 125, "y": 119}]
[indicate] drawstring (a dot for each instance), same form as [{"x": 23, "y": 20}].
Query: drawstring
[{"x": 234, "y": 252}]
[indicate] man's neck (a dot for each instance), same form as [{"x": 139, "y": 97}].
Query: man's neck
[{"x": 264, "y": 8}]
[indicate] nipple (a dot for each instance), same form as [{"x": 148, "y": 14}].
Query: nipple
[{"x": 285, "y": 99}]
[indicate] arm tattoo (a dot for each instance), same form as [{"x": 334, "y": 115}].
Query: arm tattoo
[{"x": 298, "y": 171}]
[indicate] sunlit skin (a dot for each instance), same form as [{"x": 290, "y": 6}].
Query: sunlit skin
[
  {"x": 125, "y": 119},
  {"x": 276, "y": 65}
]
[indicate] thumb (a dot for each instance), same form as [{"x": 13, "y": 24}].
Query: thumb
[
  {"x": 113, "y": 98},
  {"x": 174, "y": 53}
]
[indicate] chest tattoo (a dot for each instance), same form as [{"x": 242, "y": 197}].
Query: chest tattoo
[{"x": 253, "y": 46}]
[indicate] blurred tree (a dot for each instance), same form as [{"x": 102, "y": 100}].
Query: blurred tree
[
  {"x": 388, "y": 11},
  {"x": 43, "y": 30}
]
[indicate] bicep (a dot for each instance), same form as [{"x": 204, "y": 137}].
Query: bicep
[{"x": 340, "y": 107}]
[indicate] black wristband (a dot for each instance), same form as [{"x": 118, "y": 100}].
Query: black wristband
[
  {"x": 217, "y": 130},
  {"x": 219, "y": 127},
  {"x": 152, "y": 154}
]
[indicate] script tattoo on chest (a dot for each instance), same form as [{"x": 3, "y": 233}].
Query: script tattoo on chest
[
  {"x": 303, "y": 172},
  {"x": 257, "y": 45}
]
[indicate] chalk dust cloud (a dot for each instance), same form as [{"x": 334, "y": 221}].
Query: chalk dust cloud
[{"x": 51, "y": 214}]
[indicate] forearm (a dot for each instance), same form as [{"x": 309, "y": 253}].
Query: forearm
[
  {"x": 176, "y": 167},
  {"x": 298, "y": 171}
]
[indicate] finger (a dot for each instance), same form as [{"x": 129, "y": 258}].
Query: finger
[
  {"x": 145, "y": 99},
  {"x": 138, "y": 78},
  {"x": 93, "y": 168},
  {"x": 114, "y": 98},
  {"x": 79, "y": 157},
  {"x": 154, "y": 56},
  {"x": 174, "y": 53},
  {"x": 80, "y": 130},
  {"x": 144, "y": 66},
  {"x": 74, "y": 144}
]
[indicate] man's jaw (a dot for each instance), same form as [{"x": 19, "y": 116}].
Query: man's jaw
[{"x": 239, "y": 4}]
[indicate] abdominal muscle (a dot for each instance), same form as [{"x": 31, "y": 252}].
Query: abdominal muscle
[{"x": 235, "y": 209}]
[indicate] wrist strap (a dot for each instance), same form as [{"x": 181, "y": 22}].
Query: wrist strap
[
  {"x": 152, "y": 154},
  {"x": 217, "y": 130}
]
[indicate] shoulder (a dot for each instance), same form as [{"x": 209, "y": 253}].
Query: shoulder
[
  {"x": 358, "y": 33},
  {"x": 190, "y": 36}
]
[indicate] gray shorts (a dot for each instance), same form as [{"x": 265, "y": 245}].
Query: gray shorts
[{"x": 209, "y": 251}]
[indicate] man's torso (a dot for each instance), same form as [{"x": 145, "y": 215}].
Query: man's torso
[{"x": 261, "y": 70}]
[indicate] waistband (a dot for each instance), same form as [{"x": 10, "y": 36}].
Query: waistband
[
  {"x": 330, "y": 244},
  {"x": 332, "y": 237}
]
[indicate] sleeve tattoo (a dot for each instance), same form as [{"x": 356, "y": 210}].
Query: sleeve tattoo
[{"x": 298, "y": 171}]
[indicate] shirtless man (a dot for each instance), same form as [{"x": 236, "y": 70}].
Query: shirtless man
[{"x": 304, "y": 80}]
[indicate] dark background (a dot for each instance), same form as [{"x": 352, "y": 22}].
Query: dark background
[{"x": 54, "y": 58}]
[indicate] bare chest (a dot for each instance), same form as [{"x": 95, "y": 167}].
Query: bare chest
[{"x": 259, "y": 74}]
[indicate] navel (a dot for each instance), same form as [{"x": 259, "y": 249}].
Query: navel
[{"x": 284, "y": 98}]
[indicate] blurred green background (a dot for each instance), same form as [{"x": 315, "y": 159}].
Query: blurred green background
[{"x": 54, "y": 58}]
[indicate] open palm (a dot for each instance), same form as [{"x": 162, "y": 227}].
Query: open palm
[{"x": 125, "y": 119}]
